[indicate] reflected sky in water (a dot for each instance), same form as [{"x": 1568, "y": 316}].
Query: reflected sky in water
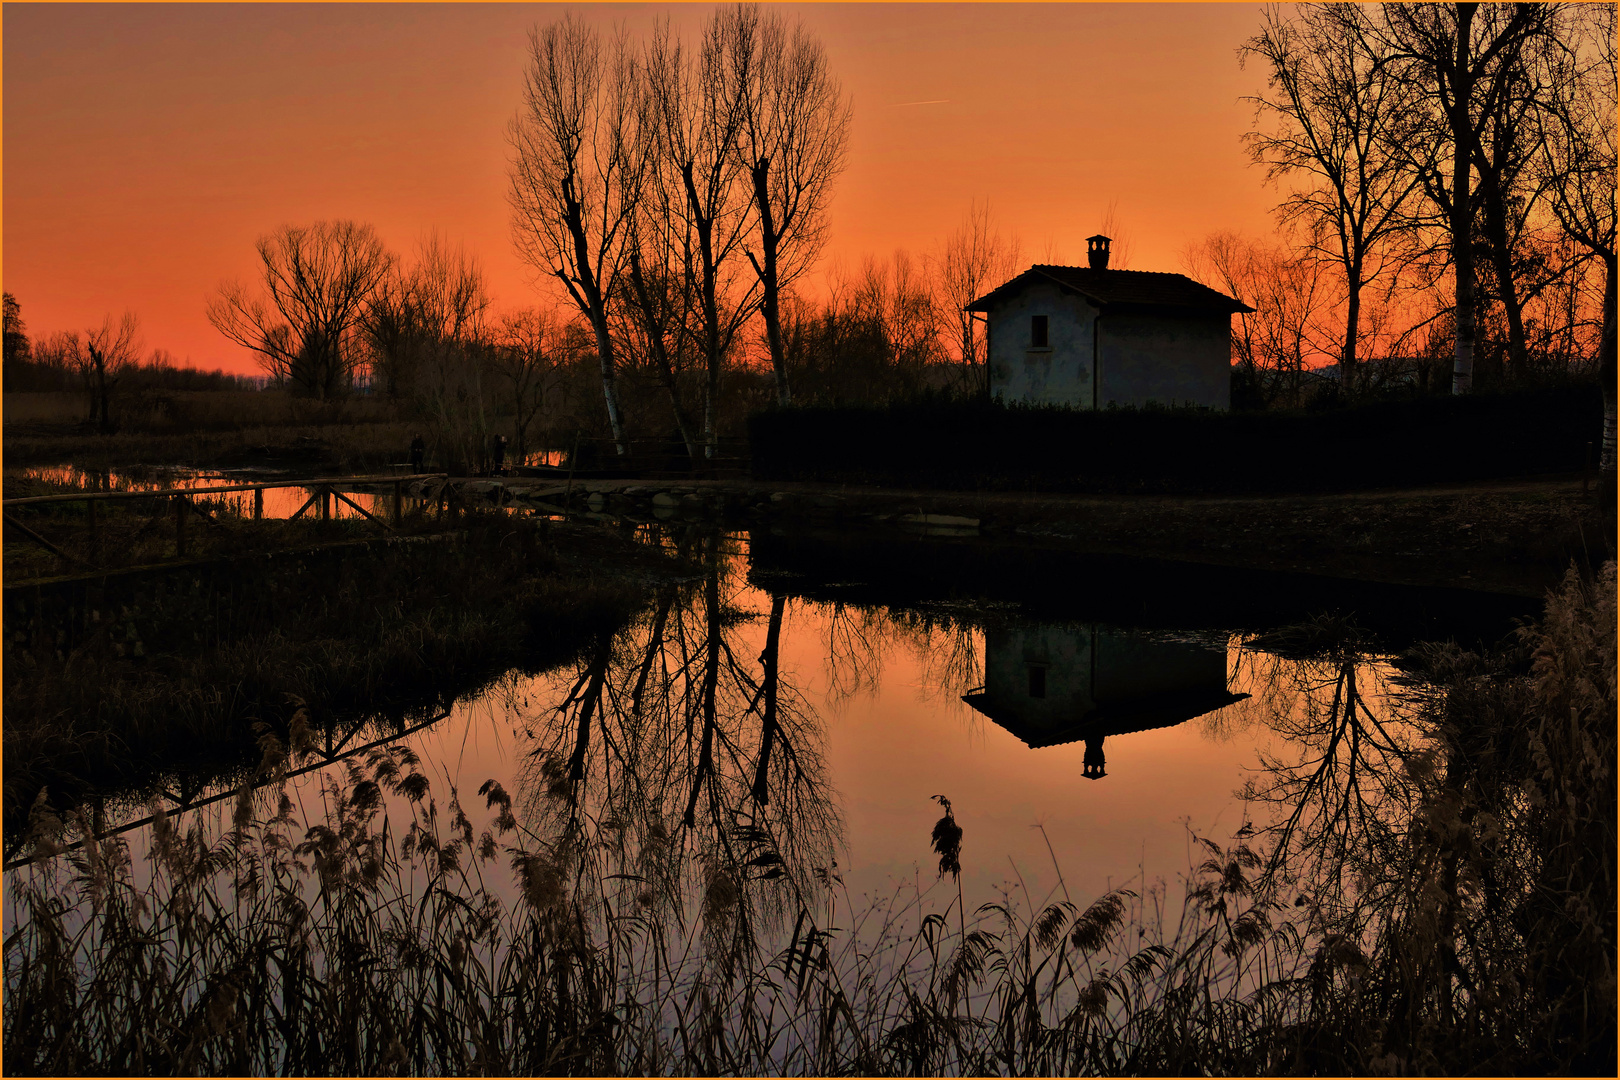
[{"x": 873, "y": 724}]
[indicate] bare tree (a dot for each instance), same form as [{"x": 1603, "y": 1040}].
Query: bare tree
[
  {"x": 318, "y": 279},
  {"x": 576, "y": 173},
  {"x": 975, "y": 258},
  {"x": 109, "y": 351},
  {"x": 1463, "y": 59},
  {"x": 1119, "y": 249},
  {"x": 530, "y": 351},
  {"x": 1271, "y": 343},
  {"x": 1341, "y": 121},
  {"x": 658, "y": 304},
  {"x": 697, "y": 114},
  {"x": 1576, "y": 159},
  {"x": 792, "y": 141},
  {"x": 440, "y": 349}
]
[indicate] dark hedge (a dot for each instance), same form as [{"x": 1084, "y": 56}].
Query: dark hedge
[{"x": 981, "y": 445}]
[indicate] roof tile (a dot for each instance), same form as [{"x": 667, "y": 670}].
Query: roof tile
[{"x": 1122, "y": 288}]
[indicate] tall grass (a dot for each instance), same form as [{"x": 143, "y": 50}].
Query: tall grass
[{"x": 385, "y": 932}]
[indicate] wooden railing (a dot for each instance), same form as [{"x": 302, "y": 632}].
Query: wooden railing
[{"x": 322, "y": 491}]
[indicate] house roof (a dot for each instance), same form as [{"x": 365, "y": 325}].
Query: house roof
[
  {"x": 1122, "y": 290},
  {"x": 1122, "y": 718}
]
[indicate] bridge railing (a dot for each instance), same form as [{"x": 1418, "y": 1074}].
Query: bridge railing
[{"x": 323, "y": 490}]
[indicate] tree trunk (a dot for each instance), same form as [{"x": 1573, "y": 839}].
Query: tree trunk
[
  {"x": 1606, "y": 379},
  {"x": 1502, "y": 264},
  {"x": 711, "y": 675},
  {"x": 773, "y": 638},
  {"x": 595, "y": 307},
  {"x": 711, "y": 315},
  {"x": 610, "y": 383},
  {"x": 770, "y": 304},
  {"x": 1352, "y": 329},
  {"x": 1462, "y": 252},
  {"x": 655, "y": 341}
]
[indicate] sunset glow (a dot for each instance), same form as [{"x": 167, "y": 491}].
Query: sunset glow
[{"x": 146, "y": 146}]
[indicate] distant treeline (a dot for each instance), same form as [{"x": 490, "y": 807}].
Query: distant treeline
[
  {"x": 943, "y": 443},
  {"x": 27, "y": 376}
]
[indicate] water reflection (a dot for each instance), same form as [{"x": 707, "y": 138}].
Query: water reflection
[
  {"x": 679, "y": 760},
  {"x": 1050, "y": 685},
  {"x": 1339, "y": 787},
  {"x": 746, "y": 740}
]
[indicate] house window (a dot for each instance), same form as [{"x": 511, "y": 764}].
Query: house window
[
  {"x": 1037, "y": 681},
  {"x": 1037, "y": 331}
]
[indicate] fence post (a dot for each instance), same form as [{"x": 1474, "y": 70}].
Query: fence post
[
  {"x": 399, "y": 500},
  {"x": 179, "y": 526},
  {"x": 326, "y": 503},
  {"x": 258, "y": 503}
]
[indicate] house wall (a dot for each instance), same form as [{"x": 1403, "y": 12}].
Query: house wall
[
  {"x": 1057, "y": 375},
  {"x": 1167, "y": 359},
  {"x": 1064, "y": 652},
  {"x": 1091, "y": 667},
  {"x": 1164, "y": 359}
]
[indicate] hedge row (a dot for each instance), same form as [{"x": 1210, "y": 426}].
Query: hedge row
[{"x": 976, "y": 445}]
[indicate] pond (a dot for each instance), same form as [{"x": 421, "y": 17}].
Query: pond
[
  {"x": 785, "y": 733},
  {"x": 1068, "y": 736}
]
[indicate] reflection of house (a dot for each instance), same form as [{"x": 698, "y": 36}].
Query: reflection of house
[
  {"x": 1050, "y": 685},
  {"x": 1090, "y": 337}
]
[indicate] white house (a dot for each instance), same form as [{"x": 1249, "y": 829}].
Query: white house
[
  {"x": 1090, "y": 337},
  {"x": 1049, "y": 685}
]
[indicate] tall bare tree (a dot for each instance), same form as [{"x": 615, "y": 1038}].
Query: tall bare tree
[
  {"x": 792, "y": 141},
  {"x": 1272, "y": 343},
  {"x": 109, "y": 351},
  {"x": 1462, "y": 58},
  {"x": 1576, "y": 159},
  {"x": 1340, "y": 124},
  {"x": 529, "y": 353},
  {"x": 430, "y": 339},
  {"x": 318, "y": 279},
  {"x": 578, "y": 160},
  {"x": 975, "y": 258},
  {"x": 697, "y": 113}
]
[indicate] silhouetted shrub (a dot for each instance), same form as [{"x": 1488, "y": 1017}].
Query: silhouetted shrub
[{"x": 986, "y": 445}]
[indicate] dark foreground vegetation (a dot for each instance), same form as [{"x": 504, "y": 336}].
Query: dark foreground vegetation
[
  {"x": 1438, "y": 899},
  {"x": 945, "y": 443},
  {"x": 116, "y": 681}
]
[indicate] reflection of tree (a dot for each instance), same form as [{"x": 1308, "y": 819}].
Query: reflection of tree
[
  {"x": 1342, "y": 788},
  {"x": 857, "y": 644},
  {"x": 677, "y": 765},
  {"x": 860, "y": 639}
]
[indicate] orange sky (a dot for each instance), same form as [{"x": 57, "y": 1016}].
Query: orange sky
[{"x": 146, "y": 146}]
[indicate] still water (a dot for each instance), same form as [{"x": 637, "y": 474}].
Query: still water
[{"x": 1086, "y": 719}]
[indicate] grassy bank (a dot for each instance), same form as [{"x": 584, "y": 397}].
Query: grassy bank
[
  {"x": 1453, "y": 912},
  {"x": 170, "y": 671},
  {"x": 986, "y": 446}
]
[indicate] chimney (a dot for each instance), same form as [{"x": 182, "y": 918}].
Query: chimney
[{"x": 1097, "y": 251}]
